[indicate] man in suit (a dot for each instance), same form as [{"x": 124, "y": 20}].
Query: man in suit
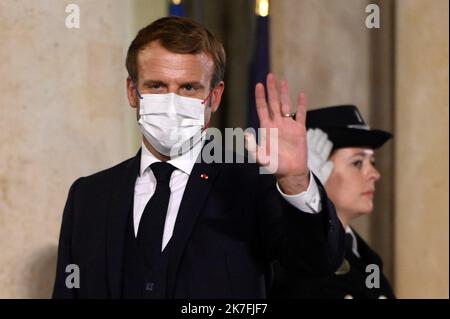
[{"x": 168, "y": 224}]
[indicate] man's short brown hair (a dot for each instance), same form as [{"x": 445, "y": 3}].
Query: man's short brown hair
[{"x": 178, "y": 35}]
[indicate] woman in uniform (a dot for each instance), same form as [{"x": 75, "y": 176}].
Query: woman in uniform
[{"x": 341, "y": 154}]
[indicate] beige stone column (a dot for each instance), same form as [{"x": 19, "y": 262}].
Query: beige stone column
[
  {"x": 322, "y": 47},
  {"x": 422, "y": 105},
  {"x": 63, "y": 114}
]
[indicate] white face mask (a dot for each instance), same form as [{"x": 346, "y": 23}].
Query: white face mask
[{"x": 171, "y": 123}]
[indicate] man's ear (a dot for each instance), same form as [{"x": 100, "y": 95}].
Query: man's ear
[
  {"x": 133, "y": 99},
  {"x": 216, "y": 96}
]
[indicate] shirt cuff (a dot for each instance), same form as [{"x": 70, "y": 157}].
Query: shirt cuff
[{"x": 308, "y": 201}]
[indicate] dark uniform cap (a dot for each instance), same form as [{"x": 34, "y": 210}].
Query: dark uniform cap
[{"x": 345, "y": 127}]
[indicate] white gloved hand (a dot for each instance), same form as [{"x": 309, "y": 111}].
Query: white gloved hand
[{"x": 319, "y": 149}]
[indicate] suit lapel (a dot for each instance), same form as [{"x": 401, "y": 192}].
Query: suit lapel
[
  {"x": 122, "y": 199},
  {"x": 197, "y": 189}
]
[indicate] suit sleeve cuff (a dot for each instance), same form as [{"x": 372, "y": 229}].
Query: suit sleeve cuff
[{"x": 308, "y": 201}]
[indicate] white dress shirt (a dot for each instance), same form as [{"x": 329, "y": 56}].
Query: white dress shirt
[{"x": 308, "y": 201}]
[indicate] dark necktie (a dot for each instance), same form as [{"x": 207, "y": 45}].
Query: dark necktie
[{"x": 151, "y": 226}]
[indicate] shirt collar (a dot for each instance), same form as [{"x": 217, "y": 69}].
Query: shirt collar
[
  {"x": 348, "y": 230},
  {"x": 183, "y": 162}
]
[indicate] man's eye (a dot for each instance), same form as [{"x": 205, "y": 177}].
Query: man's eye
[
  {"x": 188, "y": 87},
  {"x": 154, "y": 87}
]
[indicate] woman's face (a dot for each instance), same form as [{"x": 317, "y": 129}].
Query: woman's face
[{"x": 351, "y": 185}]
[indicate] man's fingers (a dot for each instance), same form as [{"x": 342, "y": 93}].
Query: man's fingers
[
  {"x": 250, "y": 145},
  {"x": 255, "y": 152},
  {"x": 285, "y": 100},
  {"x": 274, "y": 104},
  {"x": 261, "y": 104}
]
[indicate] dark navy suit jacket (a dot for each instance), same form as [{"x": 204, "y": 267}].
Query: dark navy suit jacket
[{"x": 230, "y": 228}]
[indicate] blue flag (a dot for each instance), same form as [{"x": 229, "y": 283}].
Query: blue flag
[
  {"x": 259, "y": 67},
  {"x": 176, "y": 9}
]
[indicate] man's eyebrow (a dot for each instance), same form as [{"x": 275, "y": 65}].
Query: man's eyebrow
[
  {"x": 154, "y": 82},
  {"x": 194, "y": 83}
]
